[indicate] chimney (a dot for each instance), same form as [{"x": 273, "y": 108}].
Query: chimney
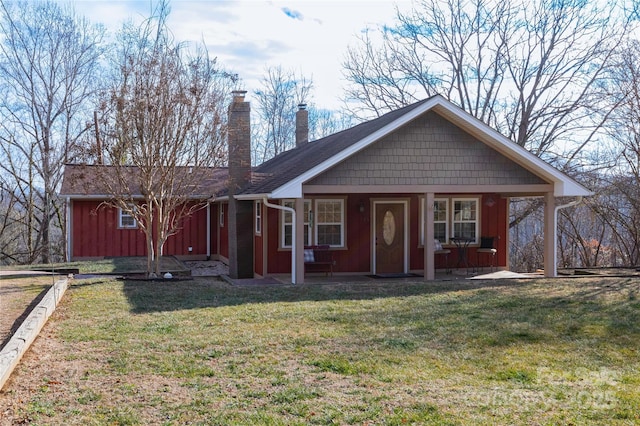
[
  {"x": 239, "y": 140},
  {"x": 240, "y": 211},
  {"x": 302, "y": 125}
]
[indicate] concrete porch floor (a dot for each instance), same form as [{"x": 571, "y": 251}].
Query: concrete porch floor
[
  {"x": 319, "y": 279},
  {"x": 219, "y": 269}
]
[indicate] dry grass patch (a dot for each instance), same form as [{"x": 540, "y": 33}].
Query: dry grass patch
[
  {"x": 17, "y": 296},
  {"x": 203, "y": 352},
  {"x": 112, "y": 265}
]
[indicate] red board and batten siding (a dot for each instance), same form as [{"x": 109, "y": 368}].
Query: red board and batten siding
[
  {"x": 95, "y": 233},
  {"x": 356, "y": 257},
  {"x": 279, "y": 260}
]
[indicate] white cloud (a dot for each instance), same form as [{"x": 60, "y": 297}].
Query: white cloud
[{"x": 247, "y": 36}]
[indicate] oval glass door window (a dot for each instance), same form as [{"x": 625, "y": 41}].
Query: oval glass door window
[{"x": 388, "y": 227}]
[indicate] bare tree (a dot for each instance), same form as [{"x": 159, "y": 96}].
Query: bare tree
[
  {"x": 533, "y": 70},
  {"x": 324, "y": 122},
  {"x": 617, "y": 203},
  {"x": 164, "y": 126},
  {"x": 277, "y": 103},
  {"x": 48, "y": 64},
  {"x": 536, "y": 71}
]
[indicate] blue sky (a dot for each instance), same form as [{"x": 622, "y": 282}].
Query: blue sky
[{"x": 308, "y": 37}]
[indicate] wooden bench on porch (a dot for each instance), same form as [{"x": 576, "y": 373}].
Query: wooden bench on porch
[{"x": 318, "y": 259}]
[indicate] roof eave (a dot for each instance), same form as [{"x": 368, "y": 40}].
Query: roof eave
[
  {"x": 293, "y": 188},
  {"x": 563, "y": 184}
]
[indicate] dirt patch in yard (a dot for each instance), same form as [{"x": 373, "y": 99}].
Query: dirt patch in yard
[{"x": 207, "y": 268}]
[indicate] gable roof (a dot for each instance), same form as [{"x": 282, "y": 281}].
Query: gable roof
[
  {"x": 284, "y": 175},
  {"x": 92, "y": 181}
]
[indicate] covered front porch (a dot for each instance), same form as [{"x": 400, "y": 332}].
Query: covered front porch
[{"x": 385, "y": 234}]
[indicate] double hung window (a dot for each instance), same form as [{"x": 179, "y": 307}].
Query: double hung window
[
  {"x": 453, "y": 217},
  {"x": 465, "y": 218},
  {"x": 330, "y": 222},
  {"x": 286, "y": 230},
  {"x": 323, "y": 223},
  {"x": 126, "y": 219}
]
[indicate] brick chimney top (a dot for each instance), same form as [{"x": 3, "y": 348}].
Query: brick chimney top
[
  {"x": 302, "y": 125},
  {"x": 238, "y": 95},
  {"x": 239, "y": 140}
]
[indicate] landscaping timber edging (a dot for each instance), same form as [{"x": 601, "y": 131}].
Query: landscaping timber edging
[{"x": 12, "y": 352}]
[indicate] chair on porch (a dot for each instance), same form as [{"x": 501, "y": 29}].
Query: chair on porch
[
  {"x": 487, "y": 248},
  {"x": 439, "y": 250}
]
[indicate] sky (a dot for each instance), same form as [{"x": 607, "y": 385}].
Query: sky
[{"x": 308, "y": 37}]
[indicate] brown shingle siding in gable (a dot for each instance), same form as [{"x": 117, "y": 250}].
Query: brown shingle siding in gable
[
  {"x": 291, "y": 164},
  {"x": 430, "y": 151}
]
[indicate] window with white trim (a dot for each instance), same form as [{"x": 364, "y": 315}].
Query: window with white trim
[
  {"x": 440, "y": 220},
  {"x": 126, "y": 219},
  {"x": 286, "y": 230},
  {"x": 465, "y": 218},
  {"x": 462, "y": 222},
  {"x": 329, "y": 226},
  {"x": 258, "y": 217}
]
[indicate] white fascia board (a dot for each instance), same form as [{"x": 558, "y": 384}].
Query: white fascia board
[
  {"x": 293, "y": 188},
  {"x": 563, "y": 184}
]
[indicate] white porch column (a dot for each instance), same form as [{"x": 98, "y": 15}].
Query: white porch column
[
  {"x": 299, "y": 243},
  {"x": 550, "y": 235},
  {"x": 429, "y": 256}
]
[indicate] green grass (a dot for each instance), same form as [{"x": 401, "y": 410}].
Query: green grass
[
  {"x": 112, "y": 265},
  {"x": 542, "y": 352}
]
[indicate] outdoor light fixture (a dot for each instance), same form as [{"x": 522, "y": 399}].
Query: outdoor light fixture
[{"x": 361, "y": 206}]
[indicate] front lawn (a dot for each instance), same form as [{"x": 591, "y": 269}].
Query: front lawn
[
  {"x": 112, "y": 265},
  {"x": 525, "y": 352}
]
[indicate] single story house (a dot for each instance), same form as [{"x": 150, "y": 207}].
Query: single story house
[{"x": 382, "y": 195}]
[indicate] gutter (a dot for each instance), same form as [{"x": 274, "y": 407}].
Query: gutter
[
  {"x": 293, "y": 234},
  {"x": 555, "y": 227},
  {"x": 256, "y": 197}
]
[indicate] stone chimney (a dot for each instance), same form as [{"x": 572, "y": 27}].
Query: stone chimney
[
  {"x": 240, "y": 211},
  {"x": 302, "y": 125},
  {"x": 239, "y": 140}
]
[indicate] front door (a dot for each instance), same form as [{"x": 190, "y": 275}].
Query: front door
[{"x": 389, "y": 238}]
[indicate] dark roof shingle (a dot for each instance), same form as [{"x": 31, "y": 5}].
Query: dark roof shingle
[
  {"x": 291, "y": 164},
  {"x": 99, "y": 180}
]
